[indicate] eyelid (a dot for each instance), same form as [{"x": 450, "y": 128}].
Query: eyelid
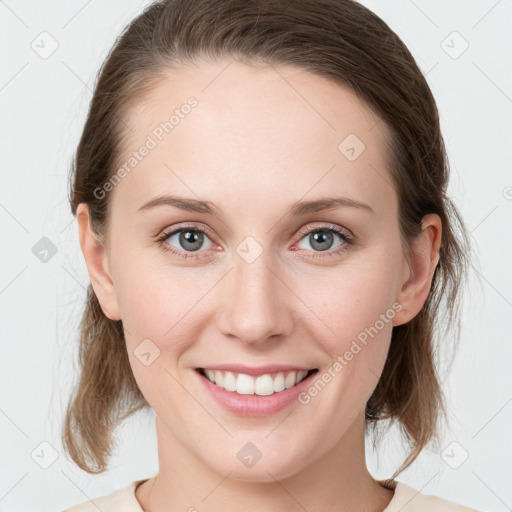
[
  {"x": 166, "y": 233},
  {"x": 327, "y": 225}
]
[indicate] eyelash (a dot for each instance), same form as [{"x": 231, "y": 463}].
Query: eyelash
[{"x": 330, "y": 228}]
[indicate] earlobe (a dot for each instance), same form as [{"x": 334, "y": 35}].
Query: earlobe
[
  {"x": 424, "y": 259},
  {"x": 97, "y": 264}
]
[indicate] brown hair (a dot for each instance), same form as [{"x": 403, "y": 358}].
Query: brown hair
[{"x": 337, "y": 39}]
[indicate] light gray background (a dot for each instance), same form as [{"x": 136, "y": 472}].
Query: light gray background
[{"x": 44, "y": 103}]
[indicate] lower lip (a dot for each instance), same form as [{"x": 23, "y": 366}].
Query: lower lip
[{"x": 255, "y": 405}]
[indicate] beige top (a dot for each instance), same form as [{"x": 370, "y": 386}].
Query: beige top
[{"x": 405, "y": 499}]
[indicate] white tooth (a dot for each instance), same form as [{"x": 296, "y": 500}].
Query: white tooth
[
  {"x": 244, "y": 384},
  {"x": 279, "y": 382},
  {"x": 230, "y": 381},
  {"x": 290, "y": 380},
  {"x": 264, "y": 385},
  {"x": 301, "y": 374},
  {"x": 211, "y": 375},
  {"x": 219, "y": 378}
]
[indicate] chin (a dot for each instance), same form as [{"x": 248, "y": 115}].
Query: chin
[{"x": 264, "y": 470}]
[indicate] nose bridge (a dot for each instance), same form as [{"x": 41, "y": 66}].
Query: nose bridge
[{"x": 255, "y": 307}]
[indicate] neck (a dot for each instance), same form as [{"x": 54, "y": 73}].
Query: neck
[{"x": 336, "y": 481}]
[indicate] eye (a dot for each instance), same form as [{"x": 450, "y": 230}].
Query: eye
[
  {"x": 188, "y": 239},
  {"x": 321, "y": 239}
]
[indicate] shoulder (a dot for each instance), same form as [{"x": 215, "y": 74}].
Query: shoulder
[
  {"x": 408, "y": 499},
  {"x": 123, "y": 499}
]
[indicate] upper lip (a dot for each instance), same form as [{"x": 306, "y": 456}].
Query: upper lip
[{"x": 255, "y": 370}]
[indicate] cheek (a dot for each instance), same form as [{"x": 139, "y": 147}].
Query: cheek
[
  {"x": 149, "y": 306},
  {"x": 163, "y": 315},
  {"x": 159, "y": 329},
  {"x": 354, "y": 306},
  {"x": 351, "y": 298},
  {"x": 359, "y": 313},
  {"x": 149, "y": 297}
]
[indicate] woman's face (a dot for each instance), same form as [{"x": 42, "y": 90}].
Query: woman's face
[{"x": 246, "y": 284}]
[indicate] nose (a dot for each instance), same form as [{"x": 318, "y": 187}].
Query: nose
[{"x": 256, "y": 305}]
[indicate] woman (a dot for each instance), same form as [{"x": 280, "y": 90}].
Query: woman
[{"x": 260, "y": 189}]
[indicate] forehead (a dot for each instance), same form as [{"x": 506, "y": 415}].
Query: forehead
[{"x": 243, "y": 135}]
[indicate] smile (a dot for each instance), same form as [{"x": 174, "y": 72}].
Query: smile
[{"x": 263, "y": 385}]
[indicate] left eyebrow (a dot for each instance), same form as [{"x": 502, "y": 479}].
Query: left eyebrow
[
  {"x": 326, "y": 203},
  {"x": 296, "y": 209}
]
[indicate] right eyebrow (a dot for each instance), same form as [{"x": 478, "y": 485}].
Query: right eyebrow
[{"x": 183, "y": 203}]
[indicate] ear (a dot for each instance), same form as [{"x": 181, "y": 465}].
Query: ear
[
  {"x": 416, "y": 278},
  {"x": 96, "y": 260}
]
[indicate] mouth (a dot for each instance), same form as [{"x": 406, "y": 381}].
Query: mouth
[{"x": 263, "y": 385}]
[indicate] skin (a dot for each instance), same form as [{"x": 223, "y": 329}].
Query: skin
[{"x": 271, "y": 141}]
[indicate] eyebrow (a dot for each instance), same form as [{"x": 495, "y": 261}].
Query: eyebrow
[{"x": 296, "y": 209}]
